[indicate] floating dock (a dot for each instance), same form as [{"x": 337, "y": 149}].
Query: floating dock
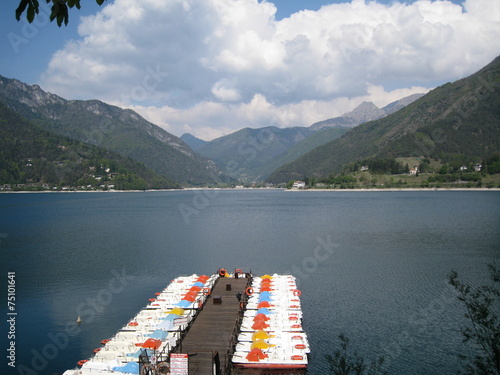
[
  {"x": 271, "y": 334},
  {"x": 226, "y": 323}
]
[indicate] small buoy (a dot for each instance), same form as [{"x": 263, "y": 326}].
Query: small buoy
[{"x": 78, "y": 320}]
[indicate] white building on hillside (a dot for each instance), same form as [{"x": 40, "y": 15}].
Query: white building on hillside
[
  {"x": 299, "y": 185},
  {"x": 413, "y": 171}
]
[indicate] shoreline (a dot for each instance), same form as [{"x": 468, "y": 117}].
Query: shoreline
[
  {"x": 403, "y": 189},
  {"x": 207, "y": 188},
  {"x": 130, "y": 191}
]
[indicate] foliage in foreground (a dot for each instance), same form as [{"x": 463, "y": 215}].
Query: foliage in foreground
[
  {"x": 342, "y": 362},
  {"x": 482, "y": 305},
  {"x": 482, "y": 310},
  {"x": 58, "y": 11}
]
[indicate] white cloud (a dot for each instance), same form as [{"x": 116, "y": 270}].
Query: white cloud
[
  {"x": 214, "y": 66},
  {"x": 224, "y": 91},
  {"x": 208, "y": 119}
]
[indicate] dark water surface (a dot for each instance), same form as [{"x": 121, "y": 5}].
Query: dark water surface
[{"x": 372, "y": 265}]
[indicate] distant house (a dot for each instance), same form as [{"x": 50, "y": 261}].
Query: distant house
[
  {"x": 478, "y": 167},
  {"x": 299, "y": 185},
  {"x": 413, "y": 171},
  {"x": 463, "y": 168},
  {"x": 364, "y": 168}
]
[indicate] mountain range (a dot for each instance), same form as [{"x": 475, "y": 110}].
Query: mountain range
[
  {"x": 366, "y": 111},
  {"x": 455, "y": 121},
  {"x": 33, "y": 158},
  {"x": 119, "y": 130},
  {"x": 253, "y": 154}
]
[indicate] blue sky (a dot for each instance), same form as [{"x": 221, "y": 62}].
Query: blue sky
[
  {"x": 27, "y": 49},
  {"x": 209, "y": 67}
]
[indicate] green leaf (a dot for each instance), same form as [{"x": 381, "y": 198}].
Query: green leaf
[
  {"x": 32, "y": 9},
  {"x": 59, "y": 13},
  {"x": 30, "y": 15},
  {"x": 60, "y": 19},
  {"x": 20, "y": 9},
  {"x": 54, "y": 11},
  {"x": 72, "y": 3},
  {"x": 100, "y": 2},
  {"x": 65, "y": 15}
]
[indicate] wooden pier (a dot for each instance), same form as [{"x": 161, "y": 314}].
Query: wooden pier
[
  {"x": 214, "y": 328},
  {"x": 202, "y": 337}
]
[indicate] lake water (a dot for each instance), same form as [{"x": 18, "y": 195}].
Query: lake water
[{"x": 371, "y": 265}]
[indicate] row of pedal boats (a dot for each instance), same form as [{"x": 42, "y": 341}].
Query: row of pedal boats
[
  {"x": 271, "y": 332},
  {"x": 270, "y": 335},
  {"x": 155, "y": 330}
]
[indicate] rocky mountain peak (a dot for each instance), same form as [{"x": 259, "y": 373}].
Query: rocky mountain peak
[
  {"x": 31, "y": 95},
  {"x": 364, "y": 112}
]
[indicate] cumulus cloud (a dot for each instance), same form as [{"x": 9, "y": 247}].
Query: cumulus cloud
[
  {"x": 224, "y": 90},
  {"x": 209, "y": 120},
  {"x": 213, "y": 66}
]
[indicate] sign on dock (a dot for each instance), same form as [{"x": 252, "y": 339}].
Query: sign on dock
[{"x": 179, "y": 363}]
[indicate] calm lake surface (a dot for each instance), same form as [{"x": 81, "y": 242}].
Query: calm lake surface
[{"x": 371, "y": 265}]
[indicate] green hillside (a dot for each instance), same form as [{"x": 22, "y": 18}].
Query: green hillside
[
  {"x": 116, "y": 129},
  {"x": 314, "y": 140},
  {"x": 253, "y": 154},
  {"x": 34, "y": 159},
  {"x": 456, "y": 121},
  {"x": 192, "y": 141},
  {"x": 244, "y": 153}
]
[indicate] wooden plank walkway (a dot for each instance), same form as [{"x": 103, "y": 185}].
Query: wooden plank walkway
[{"x": 213, "y": 327}]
